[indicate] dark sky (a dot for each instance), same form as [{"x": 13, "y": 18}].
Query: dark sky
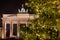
[{"x": 10, "y": 6}]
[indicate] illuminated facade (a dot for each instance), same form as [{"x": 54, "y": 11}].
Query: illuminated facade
[{"x": 11, "y": 22}]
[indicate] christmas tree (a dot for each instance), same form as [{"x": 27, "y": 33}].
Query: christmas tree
[{"x": 44, "y": 26}]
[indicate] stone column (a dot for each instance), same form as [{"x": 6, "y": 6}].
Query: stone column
[
  {"x": 3, "y": 29},
  {"x": 18, "y": 28},
  {"x": 11, "y": 29}
]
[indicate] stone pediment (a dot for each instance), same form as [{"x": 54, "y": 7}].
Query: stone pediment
[{"x": 17, "y": 16}]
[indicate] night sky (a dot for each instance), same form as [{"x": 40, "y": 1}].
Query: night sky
[{"x": 10, "y": 7}]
